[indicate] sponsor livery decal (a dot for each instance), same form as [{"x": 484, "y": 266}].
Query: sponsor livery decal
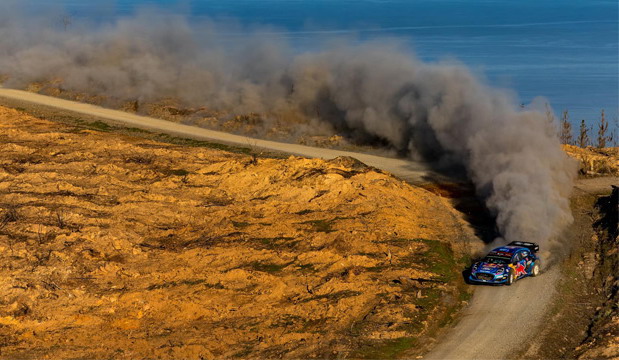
[{"x": 520, "y": 269}]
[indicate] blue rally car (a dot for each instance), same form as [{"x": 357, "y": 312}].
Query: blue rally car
[{"x": 506, "y": 264}]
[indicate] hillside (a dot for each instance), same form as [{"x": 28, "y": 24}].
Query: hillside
[{"x": 119, "y": 245}]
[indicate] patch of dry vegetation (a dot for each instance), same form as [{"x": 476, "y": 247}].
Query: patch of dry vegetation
[
  {"x": 595, "y": 161},
  {"x": 115, "y": 246}
]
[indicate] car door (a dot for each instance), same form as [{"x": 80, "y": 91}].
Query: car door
[
  {"x": 520, "y": 265},
  {"x": 528, "y": 260}
]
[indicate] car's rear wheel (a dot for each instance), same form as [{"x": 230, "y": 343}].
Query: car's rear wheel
[
  {"x": 510, "y": 278},
  {"x": 535, "y": 270}
]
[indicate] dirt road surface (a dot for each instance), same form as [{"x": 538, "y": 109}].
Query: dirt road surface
[{"x": 498, "y": 318}]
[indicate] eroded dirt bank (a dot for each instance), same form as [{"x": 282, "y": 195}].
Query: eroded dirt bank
[
  {"x": 583, "y": 321},
  {"x": 603, "y": 331},
  {"x": 115, "y": 246}
]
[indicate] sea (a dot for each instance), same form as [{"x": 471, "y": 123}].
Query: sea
[{"x": 566, "y": 51}]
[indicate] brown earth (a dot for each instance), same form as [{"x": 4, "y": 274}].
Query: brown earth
[{"x": 123, "y": 247}]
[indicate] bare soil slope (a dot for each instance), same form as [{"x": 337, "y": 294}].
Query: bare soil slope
[
  {"x": 115, "y": 246},
  {"x": 602, "y": 340}
]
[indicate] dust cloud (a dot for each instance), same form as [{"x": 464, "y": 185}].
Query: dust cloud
[{"x": 365, "y": 90}]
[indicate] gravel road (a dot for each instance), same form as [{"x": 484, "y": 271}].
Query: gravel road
[
  {"x": 499, "y": 320},
  {"x": 414, "y": 172}
]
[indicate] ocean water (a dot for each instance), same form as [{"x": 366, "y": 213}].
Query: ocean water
[{"x": 566, "y": 51}]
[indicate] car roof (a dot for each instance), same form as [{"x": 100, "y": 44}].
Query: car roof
[{"x": 506, "y": 250}]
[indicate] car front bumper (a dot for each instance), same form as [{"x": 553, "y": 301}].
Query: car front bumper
[{"x": 496, "y": 279}]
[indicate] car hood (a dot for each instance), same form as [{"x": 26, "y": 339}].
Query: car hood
[{"x": 489, "y": 268}]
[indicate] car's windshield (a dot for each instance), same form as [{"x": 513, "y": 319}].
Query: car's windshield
[{"x": 496, "y": 260}]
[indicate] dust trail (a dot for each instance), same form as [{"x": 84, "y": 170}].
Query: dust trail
[{"x": 370, "y": 91}]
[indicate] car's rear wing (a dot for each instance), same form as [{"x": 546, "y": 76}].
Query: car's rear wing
[{"x": 529, "y": 245}]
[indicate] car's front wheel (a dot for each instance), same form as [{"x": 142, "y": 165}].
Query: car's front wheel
[
  {"x": 510, "y": 278},
  {"x": 535, "y": 270}
]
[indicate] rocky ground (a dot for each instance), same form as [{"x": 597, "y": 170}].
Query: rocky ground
[{"x": 119, "y": 246}]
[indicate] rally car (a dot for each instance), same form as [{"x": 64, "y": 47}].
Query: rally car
[{"x": 506, "y": 264}]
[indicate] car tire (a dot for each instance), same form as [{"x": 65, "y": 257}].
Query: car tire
[
  {"x": 510, "y": 278},
  {"x": 535, "y": 270}
]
